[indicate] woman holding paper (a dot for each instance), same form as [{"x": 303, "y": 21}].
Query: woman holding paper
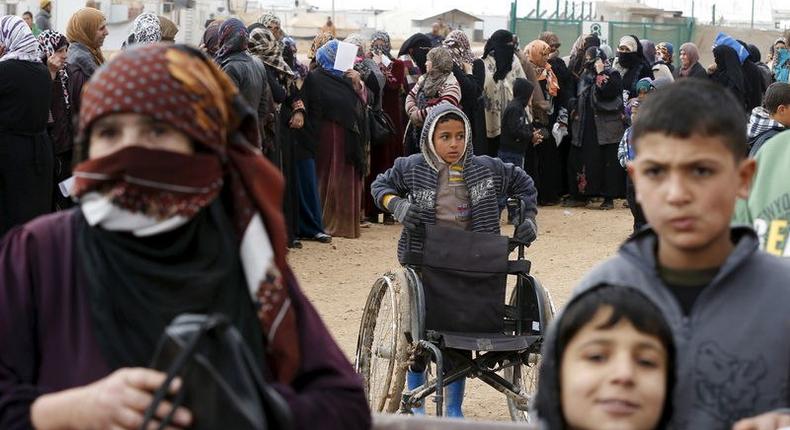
[{"x": 335, "y": 100}]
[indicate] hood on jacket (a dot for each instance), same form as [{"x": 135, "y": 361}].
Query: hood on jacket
[
  {"x": 426, "y": 138},
  {"x": 759, "y": 121},
  {"x": 628, "y": 303},
  {"x": 522, "y": 90}
]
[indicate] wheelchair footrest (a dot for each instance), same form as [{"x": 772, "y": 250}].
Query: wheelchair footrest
[{"x": 481, "y": 341}]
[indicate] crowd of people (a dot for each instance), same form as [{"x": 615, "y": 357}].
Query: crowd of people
[{"x": 188, "y": 171}]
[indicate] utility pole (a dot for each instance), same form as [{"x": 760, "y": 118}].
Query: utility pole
[
  {"x": 752, "y": 13},
  {"x": 333, "y": 12}
]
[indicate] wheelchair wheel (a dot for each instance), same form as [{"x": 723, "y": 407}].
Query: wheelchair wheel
[
  {"x": 525, "y": 375},
  {"x": 381, "y": 356}
]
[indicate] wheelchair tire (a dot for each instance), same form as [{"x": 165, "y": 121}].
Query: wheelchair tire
[
  {"x": 525, "y": 375},
  {"x": 381, "y": 356}
]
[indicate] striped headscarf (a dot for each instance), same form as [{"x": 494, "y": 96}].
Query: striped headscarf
[
  {"x": 19, "y": 42},
  {"x": 180, "y": 86},
  {"x": 458, "y": 44}
]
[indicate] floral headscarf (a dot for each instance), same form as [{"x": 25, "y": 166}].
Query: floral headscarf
[
  {"x": 265, "y": 46},
  {"x": 536, "y": 50},
  {"x": 51, "y": 42},
  {"x": 146, "y": 28},
  {"x": 458, "y": 44},
  {"x": 180, "y": 86},
  {"x": 320, "y": 40},
  {"x": 384, "y": 37},
  {"x": 232, "y": 39},
  {"x": 19, "y": 42},
  {"x": 272, "y": 22},
  {"x": 82, "y": 28}
]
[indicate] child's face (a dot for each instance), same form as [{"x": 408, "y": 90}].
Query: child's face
[
  {"x": 687, "y": 188},
  {"x": 449, "y": 140},
  {"x": 642, "y": 95},
  {"x": 613, "y": 378}
]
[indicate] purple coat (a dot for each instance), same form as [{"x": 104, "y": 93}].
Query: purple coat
[{"x": 48, "y": 345}]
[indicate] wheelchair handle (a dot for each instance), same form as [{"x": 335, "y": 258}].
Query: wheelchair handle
[{"x": 517, "y": 204}]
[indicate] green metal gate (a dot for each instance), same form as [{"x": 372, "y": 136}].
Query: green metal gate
[{"x": 529, "y": 29}]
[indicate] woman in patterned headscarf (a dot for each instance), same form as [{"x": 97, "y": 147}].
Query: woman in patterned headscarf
[
  {"x": 320, "y": 40},
  {"x": 543, "y": 160},
  {"x": 289, "y": 118},
  {"x": 210, "y": 41},
  {"x": 146, "y": 28},
  {"x": 272, "y": 22},
  {"x": 597, "y": 129},
  {"x": 248, "y": 75},
  {"x": 25, "y": 98},
  {"x": 383, "y": 154},
  {"x": 163, "y": 227},
  {"x": 337, "y": 124},
  {"x": 55, "y": 47}
]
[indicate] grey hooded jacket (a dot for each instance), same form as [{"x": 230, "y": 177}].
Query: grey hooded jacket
[
  {"x": 489, "y": 181},
  {"x": 733, "y": 350}
]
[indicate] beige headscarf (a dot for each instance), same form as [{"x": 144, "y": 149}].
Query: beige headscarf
[
  {"x": 82, "y": 28},
  {"x": 169, "y": 29}
]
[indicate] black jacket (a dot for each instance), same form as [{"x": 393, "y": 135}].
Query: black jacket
[
  {"x": 249, "y": 75},
  {"x": 516, "y": 127}
]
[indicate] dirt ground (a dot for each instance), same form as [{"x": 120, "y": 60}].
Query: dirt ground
[{"x": 338, "y": 277}]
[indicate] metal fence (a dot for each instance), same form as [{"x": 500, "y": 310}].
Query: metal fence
[{"x": 528, "y": 29}]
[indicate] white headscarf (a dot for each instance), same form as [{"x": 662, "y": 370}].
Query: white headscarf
[
  {"x": 19, "y": 42},
  {"x": 146, "y": 28}
]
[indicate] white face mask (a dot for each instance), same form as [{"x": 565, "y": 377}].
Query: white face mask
[{"x": 99, "y": 210}]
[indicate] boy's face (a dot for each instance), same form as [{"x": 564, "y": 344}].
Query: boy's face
[
  {"x": 613, "y": 378},
  {"x": 449, "y": 140},
  {"x": 687, "y": 188}
]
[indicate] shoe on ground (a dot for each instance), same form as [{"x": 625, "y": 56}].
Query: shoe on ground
[
  {"x": 607, "y": 204},
  {"x": 323, "y": 238},
  {"x": 295, "y": 244},
  {"x": 574, "y": 203}
]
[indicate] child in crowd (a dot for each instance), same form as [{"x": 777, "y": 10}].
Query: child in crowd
[
  {"x": 625, "y": 153},
  {"x": 517, "y": 131},
  {"x": 771, "y": 118},
  {"x": 725, "y": 300},
  {"x": 608, "y": 363},
  {"x": 450, "y": 187}
]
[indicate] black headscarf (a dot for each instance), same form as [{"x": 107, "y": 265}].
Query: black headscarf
[
  {"x": 503, "y": 46},
  {"x": 729, "y": 72},
  {"x": 635, "y": 65},
  {"x": 417, "y": 46},
  {"x": 753, "y": 83},
  {"x": 137, "y": 285}
]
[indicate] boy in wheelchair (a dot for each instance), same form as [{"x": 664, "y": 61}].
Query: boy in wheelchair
[{"x": 451, "y": 187}]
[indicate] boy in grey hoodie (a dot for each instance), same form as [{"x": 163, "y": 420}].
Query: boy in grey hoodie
[{"x": 726, "y": 301}]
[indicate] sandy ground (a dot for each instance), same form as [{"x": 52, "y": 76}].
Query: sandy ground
[{"x": 338, "y": 277}]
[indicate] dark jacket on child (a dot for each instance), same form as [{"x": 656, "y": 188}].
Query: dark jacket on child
[{"x": 516, "y": 126}]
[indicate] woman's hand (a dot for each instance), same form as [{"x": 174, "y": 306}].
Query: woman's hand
[
  {"x": 117, "y": 401},
  {"x": 55, "y": 63},
  {"x": 355, "y": 77},
  {"x": 599, "y": 66},
  {"x": 537, "y": 137},
  {"x": 297, "y": 120}
]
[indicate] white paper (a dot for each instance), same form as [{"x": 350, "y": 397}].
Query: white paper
[
  {"x": 386, "y": 61},
  {"x": 65, "y": 186},
  {"x": 346, "y": 54}
]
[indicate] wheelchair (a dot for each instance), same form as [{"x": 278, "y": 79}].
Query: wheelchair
[{"x": 451, "y": 306}]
